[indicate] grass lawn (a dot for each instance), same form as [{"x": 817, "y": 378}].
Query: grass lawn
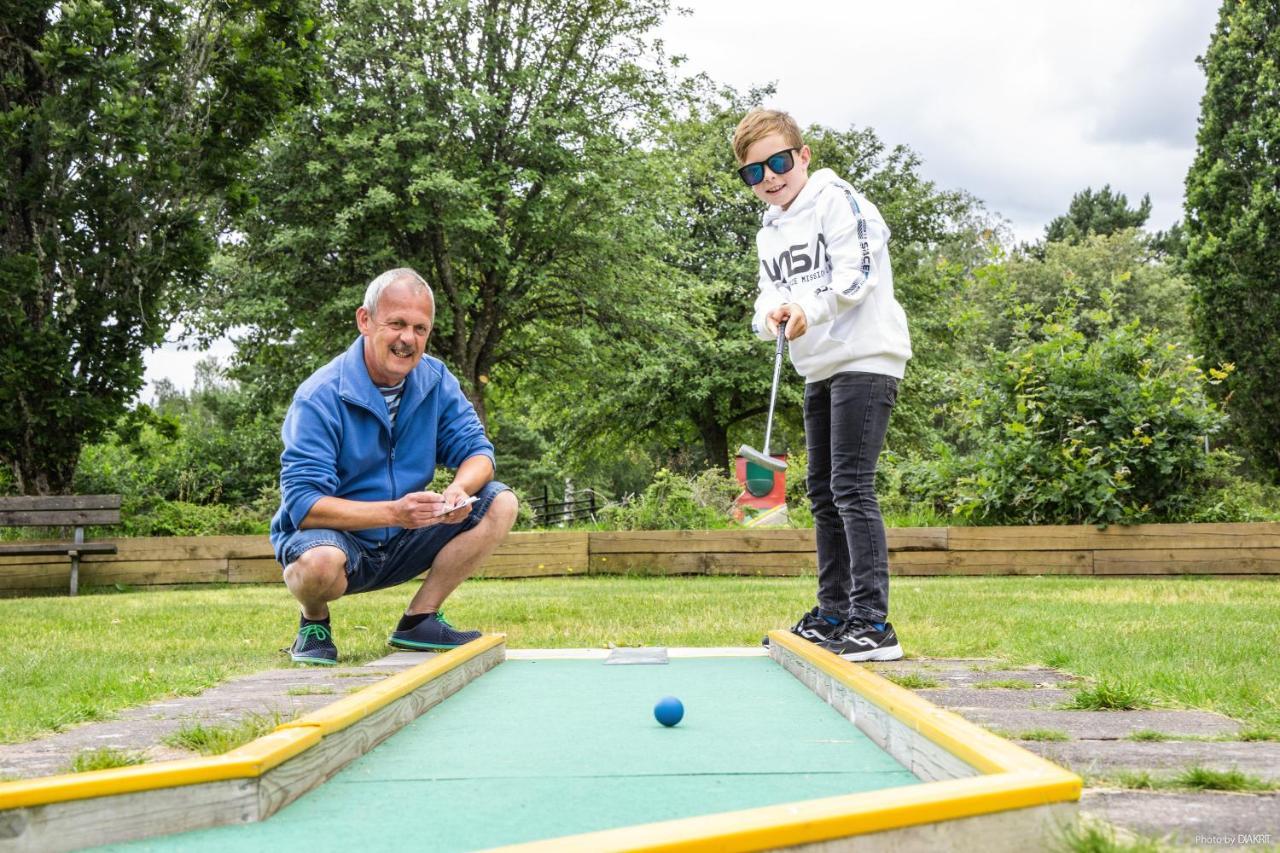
[{"x": 1196, "y": 643}]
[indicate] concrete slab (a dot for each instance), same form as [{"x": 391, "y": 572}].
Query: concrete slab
[
  {"x": 1208, "y": 820},
  {"x": 1104, "y": 725},
  {"x": 1163, "y": 758},
  {"x": 286, "y": 693},
  {"x": 400, "y": 660},
  {"x": 644, "y": 656},
  {"x": 975, "y": 672},
  {"x": 962, "y": 698}
]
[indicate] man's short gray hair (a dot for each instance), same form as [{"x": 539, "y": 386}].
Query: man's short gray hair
[{"x": 374, "y": 291}]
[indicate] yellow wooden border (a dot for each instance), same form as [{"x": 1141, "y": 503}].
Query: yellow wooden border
[
  {"x": 970, "y": 743},
  {"x": 354, "y": 708},
  {"x": 249, "y": 761},
  {"x": 1013, "y": 778}
]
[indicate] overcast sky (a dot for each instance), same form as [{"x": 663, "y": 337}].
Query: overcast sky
[{"x": 1020, "y": 102}]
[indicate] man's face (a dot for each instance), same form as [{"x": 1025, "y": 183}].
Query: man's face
[
  {"x": 779, "y": 189},
  {"x": 395, "y": 335}
]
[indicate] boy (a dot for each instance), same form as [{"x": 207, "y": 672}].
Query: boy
[{"x": 824, "y": 272}]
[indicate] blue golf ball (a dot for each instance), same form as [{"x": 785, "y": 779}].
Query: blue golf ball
[{"x": 668, "y": 711}]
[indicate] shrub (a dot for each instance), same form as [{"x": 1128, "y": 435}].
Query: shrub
[
  {"x": 677, "y": 502},
  {"x": 1073, "y": 429},
  {"x": 157, "y": 517},
  {"x": 799, "y": 513}
]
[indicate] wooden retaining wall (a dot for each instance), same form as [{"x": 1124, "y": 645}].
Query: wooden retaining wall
[{"x": 1154, "y": 549}]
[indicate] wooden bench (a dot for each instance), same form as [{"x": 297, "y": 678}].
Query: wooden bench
[{"x": 60, "y": 511}]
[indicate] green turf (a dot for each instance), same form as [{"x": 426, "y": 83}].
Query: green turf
[{"x": 538, "y": 749}]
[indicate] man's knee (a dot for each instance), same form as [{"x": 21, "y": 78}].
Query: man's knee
[
  {"x": 503, "y": 510},
  {"x": 320, "y": 567}
]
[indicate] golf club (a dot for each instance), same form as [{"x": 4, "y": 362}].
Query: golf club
[{"x": 751, "y": 453}]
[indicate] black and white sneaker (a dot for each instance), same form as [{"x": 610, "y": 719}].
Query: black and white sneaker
[
  {"x": 812, "y": 627},
  {"x": 860, "y": 640}
]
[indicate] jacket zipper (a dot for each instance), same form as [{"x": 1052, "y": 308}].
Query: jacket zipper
[{"x": 391, "y": 457}]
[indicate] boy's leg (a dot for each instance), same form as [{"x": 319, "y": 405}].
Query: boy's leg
[
  {"x": 834, "y": 574},
  {"x": 860, "y": 407}
]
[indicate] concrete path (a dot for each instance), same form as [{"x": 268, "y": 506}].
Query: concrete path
[
  {"x": 1094, "y": 744},
  {"x": 1099, "y": 746}
]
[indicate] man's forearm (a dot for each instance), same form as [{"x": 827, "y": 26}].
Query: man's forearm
[
  {"x": 341, "y": 514},
  {"x": 474, "y": 473}
]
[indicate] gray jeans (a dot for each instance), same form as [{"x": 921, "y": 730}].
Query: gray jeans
[{"x": 845, "y": 420}]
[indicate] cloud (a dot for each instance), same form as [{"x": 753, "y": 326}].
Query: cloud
[{"x": 1021, "y": 104}]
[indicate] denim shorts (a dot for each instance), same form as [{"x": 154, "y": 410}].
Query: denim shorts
[{"x": 408, "y": 554}]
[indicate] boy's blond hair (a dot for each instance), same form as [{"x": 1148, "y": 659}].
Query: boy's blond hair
[{"x": 759, "y": 123}]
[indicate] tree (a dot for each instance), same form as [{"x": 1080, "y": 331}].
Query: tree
[
  {"x": 709, "y": 382},
  {"x": 494, "y": 147},
  {"x": 684, "y": 391},
  {"x": 1103, "y": 212},
  {"x": 1233, "y": 220},
  {"x": 124, "y": 124},
  {"x": 1118, "y": 272}
]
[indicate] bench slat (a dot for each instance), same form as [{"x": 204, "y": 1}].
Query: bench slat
[
  {"x": 57, "y": 517},
  {"x": 60, "y": 502},
  {"x": 32, "y": 548}
]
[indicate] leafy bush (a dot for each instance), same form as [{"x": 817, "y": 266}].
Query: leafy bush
[
  {"x": 141, "y": 517},
  {"x": 1231, "y": 497},
  {"x": 677, "y": 502},
  {"x": 206, "y": 463},
  {"x": 1072, "y": 429},
  {"x": 799, "y": 513}
]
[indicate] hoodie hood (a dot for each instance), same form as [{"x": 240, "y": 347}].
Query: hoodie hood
[{"x": 805, "y": 200}]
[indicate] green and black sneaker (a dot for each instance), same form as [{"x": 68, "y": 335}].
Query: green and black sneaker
[
  {"x": 314, "y": 644},
  {"x": 429, "y": 631}
]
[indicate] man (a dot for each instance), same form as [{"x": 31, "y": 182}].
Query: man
[{"x": 362, "y": 439}]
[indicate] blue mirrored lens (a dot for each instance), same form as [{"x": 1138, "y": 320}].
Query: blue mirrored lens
[
  {"x": 779, "y": 163},
  {"x": 752, "y": 173}
]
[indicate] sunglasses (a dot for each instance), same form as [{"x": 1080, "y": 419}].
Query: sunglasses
[{"x": 779, "y": 164}]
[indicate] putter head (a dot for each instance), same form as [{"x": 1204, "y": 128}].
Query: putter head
[{"x": 759, "y": 458}]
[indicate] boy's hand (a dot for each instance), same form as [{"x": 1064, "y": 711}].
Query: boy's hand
[{"x": 793, "y": 314}]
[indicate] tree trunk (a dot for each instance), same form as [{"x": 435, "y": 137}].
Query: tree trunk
[
  {"x": 715, "y": 439},
  {"x": 36, "y": 475}
]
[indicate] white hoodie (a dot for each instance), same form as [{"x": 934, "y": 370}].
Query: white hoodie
[{"x": 828, "y": 252}]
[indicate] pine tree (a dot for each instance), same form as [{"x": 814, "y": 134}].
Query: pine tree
[{"x": 1233, "y": 220}]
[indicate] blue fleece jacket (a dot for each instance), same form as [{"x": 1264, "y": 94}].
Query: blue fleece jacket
[{"x": 338, "y": 439}]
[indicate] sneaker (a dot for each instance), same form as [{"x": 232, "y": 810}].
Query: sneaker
[
  {"x": 314, "y": 645},
  {"x": 860, "y": 640},
  {"x": 812, "y": 627},
  {"x": 432, "y": 633}
]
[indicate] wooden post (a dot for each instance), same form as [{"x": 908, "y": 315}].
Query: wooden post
[{"x": 75, "y": 562}]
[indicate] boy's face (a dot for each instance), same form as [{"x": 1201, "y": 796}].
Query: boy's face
[{"x": 779, "y": 189}]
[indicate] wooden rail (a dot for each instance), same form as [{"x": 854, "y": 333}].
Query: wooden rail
[{"x": 1156, "y": 549}]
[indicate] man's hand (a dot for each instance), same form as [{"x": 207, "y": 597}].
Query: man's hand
[
  {"x": 419, "y": 509},
  {"x": 793, "y": 314},
  {"x": 454, "y": 495}
]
